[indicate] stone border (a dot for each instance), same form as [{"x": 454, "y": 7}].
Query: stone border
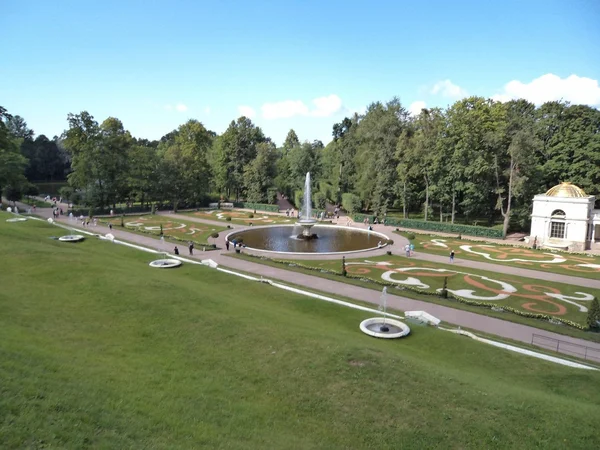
[
  {"x": 72, "y": 238},
  {"x": 165, "y": 263},
  {"x": 405, "y": 328},
  {"x": 17, "y": 219},
  {"x": 377, "y": 233}
]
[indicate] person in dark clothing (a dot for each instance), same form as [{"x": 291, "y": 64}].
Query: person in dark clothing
[
  {"x": 451, "y": 255},
  {"x": 227, "y": 245},
  {"x": 176, "y": 251},
  {"x": 191, "y": 247}
]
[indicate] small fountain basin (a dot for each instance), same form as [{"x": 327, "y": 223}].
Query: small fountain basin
[
  {"x": 165, "y": 263},
  {"x": 375, "y": 327},
  {"x": 72, "y": 238}
]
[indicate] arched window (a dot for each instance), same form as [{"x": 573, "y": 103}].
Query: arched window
[{"x": 558, "y": 213}]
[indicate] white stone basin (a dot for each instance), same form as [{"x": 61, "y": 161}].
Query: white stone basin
[
  {"x": 72, "y": 238},
  {"x": 165, "y": 263},
  {"x": 366, "y": 326}
]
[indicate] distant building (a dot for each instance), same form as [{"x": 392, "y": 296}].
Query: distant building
[{"x": 565, "y": 218}]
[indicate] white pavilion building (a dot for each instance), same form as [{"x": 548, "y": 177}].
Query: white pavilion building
[{"x": 565, "y": 218}]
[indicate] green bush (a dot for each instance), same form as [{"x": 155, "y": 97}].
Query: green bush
[
  {"x": 228, "y": 219},
  {"x": 411, "y": 236},
  {"x": 442, "y": 227},
  {"x": 351, "y": 203},
  {"x": 319, "y": 200},
  {"x": 272, "y": 196},
  {"x": 298, "y": 199},
  {"x": 250, "y": 216},
  {"x": 257, "y": 206},
  {"x": 214, "y": 235}
]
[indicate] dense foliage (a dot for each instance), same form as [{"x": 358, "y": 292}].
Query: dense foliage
[{"x": 478, "y": 162}]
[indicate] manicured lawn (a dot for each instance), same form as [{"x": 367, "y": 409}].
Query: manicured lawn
[
  {"x": 529, "y": 292},
  {"x": 99, "y": 350},
  {"x": 174, "y": 230},
  {"x": 524, "y": 257},
  {"x": 243, "y": 217}
]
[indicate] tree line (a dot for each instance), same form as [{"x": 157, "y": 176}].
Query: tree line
[{"x": 476, "y": 160}]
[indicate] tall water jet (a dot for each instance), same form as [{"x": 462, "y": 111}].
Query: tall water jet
[{"x": 306, "y": 221}]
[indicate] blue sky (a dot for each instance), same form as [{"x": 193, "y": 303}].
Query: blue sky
[{"x": 287, "y": 64}]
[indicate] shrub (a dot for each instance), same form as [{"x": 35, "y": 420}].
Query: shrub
[
  {"x": 298, "y": 198},
  {"x": 214, "y": 235},
  {"x": 593, "y": 318},
  {"x": 442, "y": 227},
  {"x": 410, "y": 236},
  {"x": 351, "y": 203},
  {"x": 320, "y": 200},
  {"x": 250, "y": 216},
  {"x": 257, "y": 206},
  {"x": 228, "y": 219}
]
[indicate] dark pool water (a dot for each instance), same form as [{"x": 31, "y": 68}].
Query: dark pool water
[{"x": 330, "y": 239}]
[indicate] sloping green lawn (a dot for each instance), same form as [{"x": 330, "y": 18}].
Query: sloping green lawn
[{"x": 97, "y": 350}]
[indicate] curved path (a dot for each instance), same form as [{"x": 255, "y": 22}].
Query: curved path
[
  {"x": 398, "y": 249},
  {"x": 491, "y": 325}
]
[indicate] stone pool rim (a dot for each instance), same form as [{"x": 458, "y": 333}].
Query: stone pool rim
[{"x": 231, "y": 235}]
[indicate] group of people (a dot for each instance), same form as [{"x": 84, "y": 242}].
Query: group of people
[
  {"x": 289, "y": 212},
  {"x": 190, "y": 249},
  {"x": 56, "y": 212}
]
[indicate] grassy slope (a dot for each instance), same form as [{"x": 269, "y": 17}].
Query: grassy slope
[
  {"x": 542, "y": 324},
  {"x": 97, "y": 349},
  {"x": 572, "y": 259}
]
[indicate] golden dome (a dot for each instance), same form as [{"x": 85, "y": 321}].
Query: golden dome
[{"x": 566, "y": 190}]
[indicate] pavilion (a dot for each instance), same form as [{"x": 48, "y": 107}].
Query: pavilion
[{"x": 564, "y": 218}]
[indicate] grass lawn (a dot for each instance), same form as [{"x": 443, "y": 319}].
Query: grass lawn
[
  {"x": 174, "y": 230},
  {"x": 527, "y": 258},
  {"x": 456, "y": 281},
  {"x": 525, "y": 294},
  {"x": 243, "y": 217},
  {"x": 99, "y": 350}
]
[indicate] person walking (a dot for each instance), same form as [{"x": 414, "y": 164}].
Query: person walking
[
  {"x": 227, "y": 245},
  {"x": 451, "y": 256},
  {"x": 412, "y": 249},
  {"x": 407, "y": 250},
  {"x": 191, "y": 248},
  {"x": 176, "y": 251}
]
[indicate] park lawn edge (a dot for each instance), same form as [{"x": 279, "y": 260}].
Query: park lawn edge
[{"x": 509, "y": 317}]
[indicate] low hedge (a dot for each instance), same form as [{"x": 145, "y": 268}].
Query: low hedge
[
  {"x": 442, "y": 227},
  {"x": 257, "y": 206},
  {"x": 450, "y": 295}
]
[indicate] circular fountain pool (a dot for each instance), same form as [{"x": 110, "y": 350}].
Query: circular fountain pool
[{"x": 329, "y": 239}]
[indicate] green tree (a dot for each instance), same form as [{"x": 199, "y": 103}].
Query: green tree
[
  {"x": 185, "y": 171},
  {"x": 259, "y": 174},
  {"x": 233, "y": 151},
  {"x": 12, "y": 163},
  {"x": 593, "y": 317}
]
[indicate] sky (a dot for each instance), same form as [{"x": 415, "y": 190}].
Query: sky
[{"x": 286, "y": 64}]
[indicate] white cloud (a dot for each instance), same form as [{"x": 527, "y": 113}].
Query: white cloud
[
  {"x": 178, "y": 107},
  {"x": 550, "y": 87},
  {"x": 323, "y": 107},
  {"x": 416, "y": 107},
  {"x": 207, "y": 110},
  {"x": 246, "y": 111},
  {"x": 285, "y": 109},
  {"x": 326, "y": 106},
  {"x": 448, "y": 89}
]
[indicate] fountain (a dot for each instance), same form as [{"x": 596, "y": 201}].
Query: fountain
[
  {"x": 384, "y": 327},
  {"x": 300, "y": 238},
  {"x": 306, "y": 221}
]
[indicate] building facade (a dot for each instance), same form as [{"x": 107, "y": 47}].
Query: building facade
[{"x": 565, "y": 218}]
